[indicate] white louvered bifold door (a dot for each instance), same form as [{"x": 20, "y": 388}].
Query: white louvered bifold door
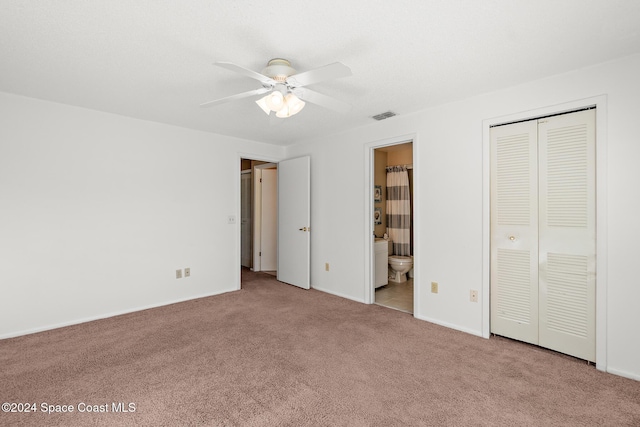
[
  {"x": 567, "y": 233},
  {"x": 514, "y": 231}
]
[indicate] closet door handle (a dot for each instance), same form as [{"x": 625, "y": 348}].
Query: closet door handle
[{"x": 512, "y": 238}]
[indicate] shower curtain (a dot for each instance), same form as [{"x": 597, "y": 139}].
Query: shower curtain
[{"x": 399, "y": 209}]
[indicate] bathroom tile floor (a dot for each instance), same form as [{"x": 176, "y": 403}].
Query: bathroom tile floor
[{"x": 396, "y": 295}]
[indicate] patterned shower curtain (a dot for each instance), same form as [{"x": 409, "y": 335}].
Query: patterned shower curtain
[{"x": 399, "y": 209}]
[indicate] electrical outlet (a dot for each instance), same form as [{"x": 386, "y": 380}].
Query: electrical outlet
[
  {"x": 326, "y": 266},
  {"x": 231, "y": 219},
  {"x": 434, "y": 287},
  {"x": 187, "y": 272},
  {"x": 179, "y": 274},
  {"x": 473, "y": 295}
]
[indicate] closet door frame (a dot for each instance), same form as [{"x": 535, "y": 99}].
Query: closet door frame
[{"x": 600, "y": 103}]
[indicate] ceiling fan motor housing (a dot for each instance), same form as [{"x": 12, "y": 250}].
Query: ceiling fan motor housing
[{"x": 279, "y": 69}]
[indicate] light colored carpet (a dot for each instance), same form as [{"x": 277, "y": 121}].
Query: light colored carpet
[{"x": 272, "y": 354}]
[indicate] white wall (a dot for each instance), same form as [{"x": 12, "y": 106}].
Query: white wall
[
  {"x": 97, "y": 211},
  {"x": 449, "y": 167}
]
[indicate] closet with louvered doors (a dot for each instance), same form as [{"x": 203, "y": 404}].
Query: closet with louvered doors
[{"x": 543, "y": 234}]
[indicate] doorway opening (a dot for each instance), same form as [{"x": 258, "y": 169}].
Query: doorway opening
[
  {"x": 393, "y": 226},
  {"x": 259, "y": 215},
  {"x": 280, "y": 231}
]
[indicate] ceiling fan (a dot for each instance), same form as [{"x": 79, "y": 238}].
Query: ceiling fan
[{"x": 286, "y": 91}]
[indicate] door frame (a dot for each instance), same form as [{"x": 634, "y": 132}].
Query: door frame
[
  {"x": 242, "y": 173},
  {"x": 238, "y": 206},
  {"x": 258, "y": 217},
  {"x": 369, "y": 261},
  {"x": 600, "y": 102}
]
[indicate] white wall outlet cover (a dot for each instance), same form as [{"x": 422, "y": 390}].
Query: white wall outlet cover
[
  {"x": 231, "y": 219},
  {"x": 473, "y": 296}
]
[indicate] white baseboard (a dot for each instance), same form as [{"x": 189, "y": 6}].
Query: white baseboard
[
  {"x": 450, "y": 326},
  {"x": 338, "y": 294},
  {"x": 103, "y": 316},
  {"x": 623, "y": 374}
]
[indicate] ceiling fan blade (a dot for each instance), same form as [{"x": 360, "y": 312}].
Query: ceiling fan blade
[
  {"x": 331, "y": 71},
  {"x": 267, "y": 81},
  {"x": 322, "y": 100},
  {"x": 236, "y": 96}
]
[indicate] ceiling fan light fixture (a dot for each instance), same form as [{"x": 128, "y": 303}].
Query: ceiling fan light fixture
[
  {"x": 294, "y": 103},
  {"x": 292, "y": 106},
  {"x": 262, "y": 103},
  {"x": 275, "y": 100},
  {"x": 283, "y": 113}
]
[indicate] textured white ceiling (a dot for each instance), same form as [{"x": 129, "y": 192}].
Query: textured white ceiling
[{"x": 152, "y": 59}]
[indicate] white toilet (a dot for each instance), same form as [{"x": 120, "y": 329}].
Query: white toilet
[{"x": 398, "y": 267}]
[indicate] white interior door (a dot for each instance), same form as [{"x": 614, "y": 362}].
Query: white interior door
[
  {"x": 294, "y": 220},
  {"x": 514, "y": 231},
  {"x": 543, "y": 235},
  {"x": 567, "y": 242},
  {"x": 269, "y": 228}
]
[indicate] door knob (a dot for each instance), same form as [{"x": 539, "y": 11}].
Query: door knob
[
  {"x": 512, "y": 238},
  {"x": 305, "y": 229}
]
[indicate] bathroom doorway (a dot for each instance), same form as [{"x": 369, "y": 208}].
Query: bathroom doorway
[{"x": 393, "y": 226}]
